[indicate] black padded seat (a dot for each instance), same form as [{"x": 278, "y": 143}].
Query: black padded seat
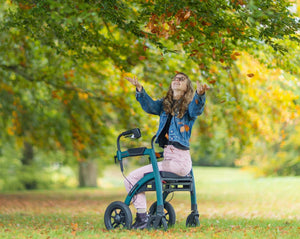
[{"x": 165, "y": 174}]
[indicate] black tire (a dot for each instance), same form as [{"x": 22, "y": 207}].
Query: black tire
[
  {"x": 192, "y": 220},
  {"x": 117, "y": 215},
  {"x": 162, "y": 224},
  {"x": 169, "y": 212}
]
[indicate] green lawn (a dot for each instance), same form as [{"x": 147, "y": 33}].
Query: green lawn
[{"x": 232, "y": 204}]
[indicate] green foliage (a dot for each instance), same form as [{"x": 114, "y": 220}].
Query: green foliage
[
  {"x": 62, "y": 71},
  {"x": 48, "y": 171},
  {"x": 280, "y": 157}
]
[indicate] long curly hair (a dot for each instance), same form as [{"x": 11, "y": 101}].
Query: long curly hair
[{"x": 180, "y": 106}]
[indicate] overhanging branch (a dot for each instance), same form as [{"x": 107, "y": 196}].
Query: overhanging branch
[{"x": 18, "y": 70}]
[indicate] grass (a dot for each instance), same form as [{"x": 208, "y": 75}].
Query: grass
[{"x": 232, "y": 204}]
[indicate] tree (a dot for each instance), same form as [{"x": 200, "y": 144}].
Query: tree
[
  {"x": 208, "y": 31},
  {"x": 62, "y": 83}
]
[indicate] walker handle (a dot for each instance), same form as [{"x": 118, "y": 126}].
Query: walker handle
[{"x": 121, "y": 166}]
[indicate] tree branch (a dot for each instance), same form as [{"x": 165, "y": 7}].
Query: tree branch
[{"x": 16, "y": 69}]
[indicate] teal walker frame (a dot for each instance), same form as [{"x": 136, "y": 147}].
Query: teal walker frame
[{"x": 162, "y": 214}]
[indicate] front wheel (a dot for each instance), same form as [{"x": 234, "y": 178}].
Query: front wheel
[
  {"x": 193, "y": 220},
  {"x": 156, "y": 222},
  {"x": 117, "y": 215},
  {"x": 169, "y": 212}
]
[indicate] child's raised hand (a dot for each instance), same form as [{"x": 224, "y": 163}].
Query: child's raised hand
[
  {"x": 135, "y": 82},
  {"x": 201, "y": 88}
]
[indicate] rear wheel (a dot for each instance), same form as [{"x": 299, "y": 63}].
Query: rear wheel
[{"x": 117, "y": 215}]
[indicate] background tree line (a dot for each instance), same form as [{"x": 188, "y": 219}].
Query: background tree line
[{"x": 64, "y": 98}]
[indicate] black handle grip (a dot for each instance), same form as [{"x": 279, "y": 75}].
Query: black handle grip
[{"x": 121, "y": 166}]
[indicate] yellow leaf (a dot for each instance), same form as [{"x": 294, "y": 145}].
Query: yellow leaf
[
  {"x": 10, "y": 131},
  {"x": 83, "y": 95}
]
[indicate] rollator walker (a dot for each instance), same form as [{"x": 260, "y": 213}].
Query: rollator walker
[{"x": 161, "y": 212}]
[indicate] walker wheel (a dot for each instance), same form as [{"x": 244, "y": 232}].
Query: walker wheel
[
  {"x": 169, "y": 212},
  {"x": 192, "y": 220},
  {"x": 154, "y": 224},
  {"x": 117, "y": 215}
]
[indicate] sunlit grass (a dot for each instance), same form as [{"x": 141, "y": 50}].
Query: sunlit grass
[{"x": 232, "y": 204}]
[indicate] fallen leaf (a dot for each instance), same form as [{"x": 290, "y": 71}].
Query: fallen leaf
[{"x": 187, "y": 15}]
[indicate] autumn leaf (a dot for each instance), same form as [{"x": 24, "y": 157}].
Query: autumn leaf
[
  {"x": 190, "y": 41},
  {"x": 193, "y": 24},
  {"x": 25, "y": 6},
  {"x": 194, "y": 52},
  {"x": 187, "y": 128},
  {"x": 187, "y": 15},
  {"x": 157, "y": 155},
  {"x": 145, "y": 47},
  {"x": 83, "y": 95},
  {"x": 182, "y": 129},
  {"x": 233, "y": 57},
  {"x": 10, "y": 131},
  {"x": 74, "y": 228},
  {"x": 141, "y": 58}
]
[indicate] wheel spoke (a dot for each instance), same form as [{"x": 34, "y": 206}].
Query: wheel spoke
[
  {"x": 115, "y": 225},
  {"x": 123, "y": 224},
  {"x": 115, "y": 212}
]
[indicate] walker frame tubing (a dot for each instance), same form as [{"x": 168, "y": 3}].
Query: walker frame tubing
[{"x": 155, "y": 174}]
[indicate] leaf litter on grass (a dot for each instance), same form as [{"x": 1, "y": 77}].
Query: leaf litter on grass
[{"x": 228, "y": 209}]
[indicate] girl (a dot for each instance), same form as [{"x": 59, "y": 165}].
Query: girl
[{"x": 178, "y": 111}]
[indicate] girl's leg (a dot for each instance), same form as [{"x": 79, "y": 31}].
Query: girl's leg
[
  {"x": 139, "y": 201},
  {"x": 175, "y": 160}
]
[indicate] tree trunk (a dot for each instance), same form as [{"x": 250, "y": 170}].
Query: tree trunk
[
  {"x": 28, "y": 179},
  {"x": 88, "y": 174},
  {"x": 27, "y": 158}
]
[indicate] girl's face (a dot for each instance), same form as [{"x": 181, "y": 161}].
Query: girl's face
[{"x": 179, "y": 83}]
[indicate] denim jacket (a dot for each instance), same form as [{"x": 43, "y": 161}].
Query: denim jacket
[{"x": 180, "y": 128}]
